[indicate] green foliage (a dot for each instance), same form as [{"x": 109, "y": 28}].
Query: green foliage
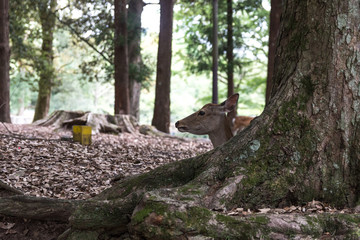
[
  {"x": 22, "y": 93},
  {"x": 250, "y": 29},
  {"x": 94, "y": 25}
]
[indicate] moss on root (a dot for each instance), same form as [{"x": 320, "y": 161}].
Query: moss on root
[
  {"x": 156, "y": 221},
  {"x": 95, "y": 215},
  {"x": 346, "y": 225}
]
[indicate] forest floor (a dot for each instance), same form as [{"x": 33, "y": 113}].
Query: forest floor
[{"x": 42, "y": 162}]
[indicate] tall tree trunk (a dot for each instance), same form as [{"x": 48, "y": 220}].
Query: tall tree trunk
[
  {"x": 215, "y": 52},
  {"x": 45, "y": 66},
  {"x": 313, "y": 113},
  {"x": 135, "y": 61},
  {"x": 121, "y": 61},
  {"x": 4, "y": 62},
  {"x": 275, "y": 14},
  {"x": 230, "y": 56},
  {"x": 161, "y": 118}
]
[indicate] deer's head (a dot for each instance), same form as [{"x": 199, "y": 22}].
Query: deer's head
[{"x": 210, "y": 119}]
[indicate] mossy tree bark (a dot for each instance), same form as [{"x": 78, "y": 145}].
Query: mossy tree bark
[
  {"x": 44, "y": 65},
  {"x": 304, "y": 146}
]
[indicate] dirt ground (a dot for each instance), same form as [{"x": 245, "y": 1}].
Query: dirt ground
[{"x": 41, "y": 161}]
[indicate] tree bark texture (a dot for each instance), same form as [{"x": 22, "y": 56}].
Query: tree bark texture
[
  {"x": 275, "y": 15},
  {"x": 230, "y": 49},
  {"x": 44, "y": 65},
  {"x": 135, "y": 61},
  {"x": 4, "y": 62},
  {"x": 230, "y": 57},
  {"x": 161, "y": 118},
  {"x": 121, "y": 60},
  {"x": 304, "y": 146},
  {"x": 312, "y": 116}
]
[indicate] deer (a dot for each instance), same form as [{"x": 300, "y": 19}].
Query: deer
[
  {"x": 239, "y": 123},
  {"x": 212, "y": 120}
]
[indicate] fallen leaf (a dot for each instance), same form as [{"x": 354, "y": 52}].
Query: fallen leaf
[{"x": 6, "y": 225}]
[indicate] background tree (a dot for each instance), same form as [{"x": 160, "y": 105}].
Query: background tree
[
  {"x": 121, "y": 59},
  {"x": 136, "y": 64},
  {"x": 275, "y": 14},
  {"x": 161, "y": 117},
  {"x": 4, "y": 62},
  {"x": 44, "y": 65},
  {"x": 215, "y": 51},
  {"x": 32, "y": 27},
  {"x": 96, "y": 28},
  {"x": 249, "y": 22},
  {"x": 230, "y": 54}
]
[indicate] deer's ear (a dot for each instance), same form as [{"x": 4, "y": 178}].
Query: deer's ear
[{"x": 230, "y": 103}]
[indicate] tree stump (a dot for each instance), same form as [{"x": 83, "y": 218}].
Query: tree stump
[{"x": 103, "y": 123}]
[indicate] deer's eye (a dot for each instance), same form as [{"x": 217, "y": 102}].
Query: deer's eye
[{"x": 201, "y": 113}]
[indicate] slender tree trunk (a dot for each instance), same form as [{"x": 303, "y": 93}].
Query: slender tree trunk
[
  {"x": 215, "y": 53},
  {"x": 135, "y": 61},
  {"x": 161, "y": 118},
  {"x": 4, "y": 62},
  {"x": 45, "y": 66},
  {"x": 121, "y": 61},
  {"x": 275, "y": 14},
  {"x": 230, "y": 56}
]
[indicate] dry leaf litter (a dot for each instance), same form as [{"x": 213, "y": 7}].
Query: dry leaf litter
[{"x": 36, "y": 161}]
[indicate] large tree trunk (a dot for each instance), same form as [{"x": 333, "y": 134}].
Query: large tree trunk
[
  {"x": 4, "y": 62},
  {"x": 135, "y": 61},
  {"x": 312, "y": 117},
  {"x": 44, "y": 65},
  {"x": 121, "y": 61},
  {"x": 275, "y": 14},
  {"x": 304, "y": 146},
  {"x": 161, "y": 118}
]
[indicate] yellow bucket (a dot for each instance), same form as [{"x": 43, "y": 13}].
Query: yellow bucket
[{"x": 82, "y": 134}]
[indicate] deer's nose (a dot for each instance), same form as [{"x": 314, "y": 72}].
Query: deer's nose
[{"x": 177, "y": 124}]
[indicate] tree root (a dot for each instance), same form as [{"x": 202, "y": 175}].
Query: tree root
[
  {"x": 38, "y": 208},
  {"x": 13, "y": 191}
]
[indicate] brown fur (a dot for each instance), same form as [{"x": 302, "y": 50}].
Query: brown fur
[{"x": 240, "y": 122}]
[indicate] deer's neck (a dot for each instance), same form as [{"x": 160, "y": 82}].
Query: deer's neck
[{"x": 221, "y": 134}]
